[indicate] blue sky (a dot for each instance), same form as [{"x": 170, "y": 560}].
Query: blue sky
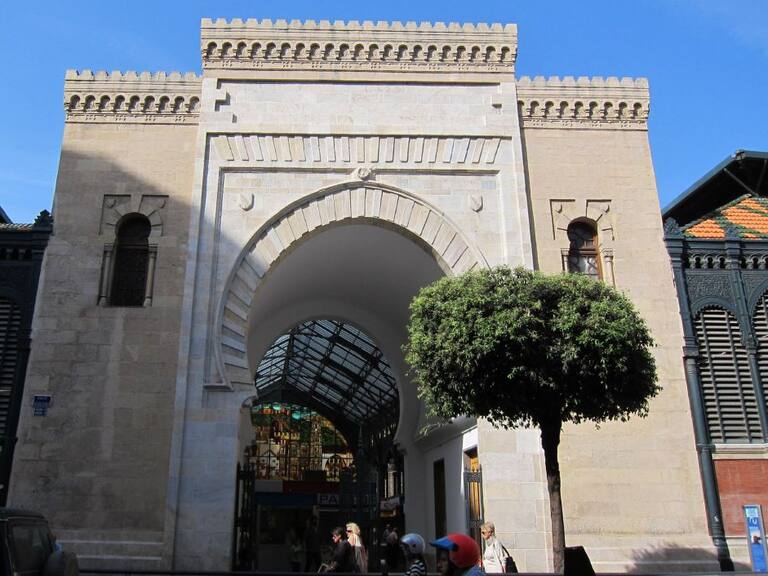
[{"x": 706, "y": 60}]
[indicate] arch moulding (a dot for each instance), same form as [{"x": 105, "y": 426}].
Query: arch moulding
[{"x": 374, "y": 202}]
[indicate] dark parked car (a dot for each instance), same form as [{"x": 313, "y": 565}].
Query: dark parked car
[{"x": 27, "y": 547}]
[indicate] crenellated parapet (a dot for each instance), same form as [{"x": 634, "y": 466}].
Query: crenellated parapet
[
  {"x": 132, "y": 97},
  {"x": 583, "y": 103},
  {"x": 318, "y": 47}
]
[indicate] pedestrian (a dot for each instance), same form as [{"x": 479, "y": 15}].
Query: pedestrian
[
  {"x": 457, "y": 555},
  {"x": 392, "y": 549},
  {"x": 312, "y": 555},
  {"x": 413, "y": 549},
  {"x": 494, "y": 554},
  {"x": 343, "y": 560},
  {"x": 356, "y": 541},
  {"x": 297, "y": 551}
]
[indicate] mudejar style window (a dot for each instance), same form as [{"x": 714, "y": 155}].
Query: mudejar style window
[
  {"x": 583, "y": 255},
  {"x": 131, "y": 264}
]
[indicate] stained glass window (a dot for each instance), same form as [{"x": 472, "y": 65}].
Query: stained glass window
[{"x": 291, "y": 442}]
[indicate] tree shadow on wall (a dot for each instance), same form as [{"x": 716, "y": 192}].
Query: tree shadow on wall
[{"x": 672, "y": 558}]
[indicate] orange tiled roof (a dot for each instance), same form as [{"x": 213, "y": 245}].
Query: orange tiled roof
[{"x": 748, "y": 215}]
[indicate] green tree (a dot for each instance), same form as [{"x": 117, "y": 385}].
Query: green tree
[{"x": 521, "y": 348}]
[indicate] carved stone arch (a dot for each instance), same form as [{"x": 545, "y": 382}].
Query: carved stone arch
[
  {"x": 348, "y": 202},
  {"x": 755, "y": 294},
  {"x": 597, "y": 212},
  {"x": 120, "y": 104},
  {"x": 714, "y": 302},
  {"x": 74, "y": 102},
  {"x": 623, "y": 110},
  {"x": 104, "y": 100},
  {"x": 744, "y": 324},
  {"x": 164, "y": 103},
  {"x": 134, "y": 102},
  {"x": 117, "y": 206}
]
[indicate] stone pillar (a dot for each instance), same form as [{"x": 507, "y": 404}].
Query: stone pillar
[
  {"x": 106, "y": 275},
  {"x": 150, "y": 284},
  {"x": 676, "y": 247},
  {"x": 608, "y": 275}
]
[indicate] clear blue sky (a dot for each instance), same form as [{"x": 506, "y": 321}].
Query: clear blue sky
[{"x": 706, "y": 60}]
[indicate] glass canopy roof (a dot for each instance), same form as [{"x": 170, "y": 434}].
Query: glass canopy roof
[{"x": 335, "y": 364}]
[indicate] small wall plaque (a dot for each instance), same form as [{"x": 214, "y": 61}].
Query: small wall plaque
[{"x": 40, "y": 404}]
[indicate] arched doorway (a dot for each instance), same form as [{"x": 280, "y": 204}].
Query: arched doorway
[
  {"x": 316, "y": 447},
  {"x": 353, "y": 255}
]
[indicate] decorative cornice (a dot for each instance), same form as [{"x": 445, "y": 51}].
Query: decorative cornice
[
  {"x": 129, "y": 97},
  {"x": 584, "y": 102},
  {"x": 353, "y": 46},
  {"x": 309, "y": 150}
]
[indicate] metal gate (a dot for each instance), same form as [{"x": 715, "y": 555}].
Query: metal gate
[
  {"x": 244, "y": 543},
  {"x": 473, "y": 492}
]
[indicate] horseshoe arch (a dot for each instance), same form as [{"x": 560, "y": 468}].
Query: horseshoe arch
[{"x": 345, "y": 202}]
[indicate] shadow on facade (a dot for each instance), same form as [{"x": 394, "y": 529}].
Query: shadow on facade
[
  {"x": 660, "y": 558},
  {"x": 109, "y": 370}
]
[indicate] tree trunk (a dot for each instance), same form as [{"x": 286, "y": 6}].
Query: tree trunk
[{"x": 550, "y": 440}]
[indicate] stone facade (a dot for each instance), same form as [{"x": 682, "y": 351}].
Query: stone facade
[{"x": 391, "y": 153}]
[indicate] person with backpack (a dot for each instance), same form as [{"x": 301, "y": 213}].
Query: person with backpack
[{"x": 494, "y": 553}]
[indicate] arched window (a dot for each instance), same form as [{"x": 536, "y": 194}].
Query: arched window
[
  {"x": 131, "y": 263},
  {"x": 582, "y": 253},
  {"x": 726, "y": 381}
]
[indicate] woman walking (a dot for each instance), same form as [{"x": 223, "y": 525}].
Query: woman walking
[
  {"x": 494, "y": 555},
  {"x": 356, "y": 541}
]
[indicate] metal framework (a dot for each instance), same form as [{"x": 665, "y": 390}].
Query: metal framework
[{"x": 336, "y": 365}]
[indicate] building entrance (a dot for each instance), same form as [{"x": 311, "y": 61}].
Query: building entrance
[{"x": 317, "y": 449}]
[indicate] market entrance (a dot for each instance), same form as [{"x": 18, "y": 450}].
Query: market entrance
[
  {"x": 317, "y": 449},
  {"x": 320, "y": 324}
]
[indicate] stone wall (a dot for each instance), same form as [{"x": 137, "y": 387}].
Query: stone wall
[
  {"x": 97, "y": 464},
  {"x": 631, "y": 491}
]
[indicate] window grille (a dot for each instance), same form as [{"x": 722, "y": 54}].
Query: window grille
[
  {"x": 760, "y": 326},
  {"x": 583, "y": 256},
  {"x": 10, "y": 323},
  {"x": 473, "y": 494},
  {"x": 129, "y": 276},
  {"x": 726, "y": 382}
]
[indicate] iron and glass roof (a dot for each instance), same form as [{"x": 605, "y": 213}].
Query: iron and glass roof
[{"x": 333, "y": 363}]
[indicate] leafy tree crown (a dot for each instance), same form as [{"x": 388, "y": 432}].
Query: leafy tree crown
[{"x": 519, "y": 347}]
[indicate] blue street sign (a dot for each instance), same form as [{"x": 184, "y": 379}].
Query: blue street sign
[{"x": 758, "y": 552}]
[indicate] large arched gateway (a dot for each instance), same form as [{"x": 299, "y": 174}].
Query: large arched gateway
[
  {"x": 300, "y": 192},
  {"x": 314, "y": 313}
]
